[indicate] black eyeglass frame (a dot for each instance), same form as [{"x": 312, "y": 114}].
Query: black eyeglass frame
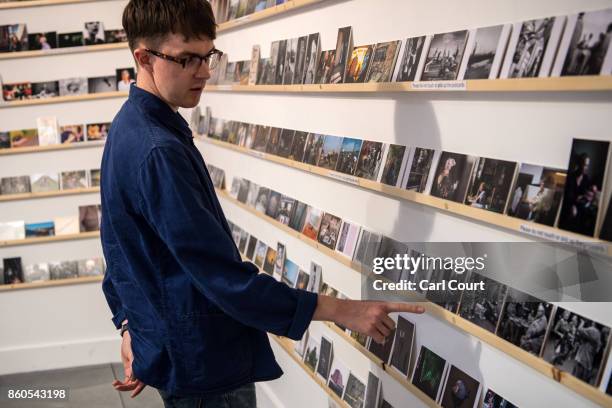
[{"x": 183, "y": 61}]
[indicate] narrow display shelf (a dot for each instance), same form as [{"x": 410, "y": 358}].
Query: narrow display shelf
[
  {"x": 287, "y": 345},
  {"x": 540, "y": 365},
  {"x": 63, "y": 99},
  {"x": 62, "y": 51},
  {"x": 266, "y": 13},
  {"x": 59, "y": 193},
  {"x": 49, "y": 148},
  {"x": 44, "y": 240},
  {"x": 537, "y": 231},
  {"x": 563, "y": 84},
  {"x": 51, "y": 283},
  {"x": 39, "y": 3}
]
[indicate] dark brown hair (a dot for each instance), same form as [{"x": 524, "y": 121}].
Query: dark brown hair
[{"x": 152, "y": 20}]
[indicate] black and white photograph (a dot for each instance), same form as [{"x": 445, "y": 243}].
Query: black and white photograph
[
  {"x": 261, "y": 138},
  {"x": 285, "y": 143},
  {"x": 37, "y": 272},
  {"x": 273, "y": 141},
  {"x": 532, "y": 47},
  {"x": 73, "y": 86},
  {"x": 313, "y": 147},
  {"x": 13, "y": 270},
  {"x": 44, "y": 182},
  {"x": 429, "y": 371},
  {"x": 483, "y": 307},
  {"x": 41, "y": 90},
  {"x": 280, "y": 62},
  {"x": 298, "y": 145},
  {"x": 290, "y": 61},
  {"x": 311, "y": 355},
  {"x": 287, "y": 206},
  {"x": 243, "y": 191},
  {"x": 93, "y": 33},
  {"x": 419, "y": 167},
  {"x": 315, "y": 278},
  {"x": 408, "y": 65},
  {"x": 524, "y": 321},
  {"x": 328, "y": 159},
  {"x": 124, "y": 77},
  {"x": 382, "y": 350},
  {"x": 402, "y": 345},
  {"x": 313, "y": 51},
  {"x": 115, "y": 36},
  {"x": 370, "y": 160},
  {"x": 585, "y": 47},
  {"x": 329, "y": 230},
  {"x": 349, "y": 155},
  {"x": 91, "y": 267},
  {"x": 452, "y": 176},
  {"x": 300, "y": 60},
  {"x": 494, "y": 400},
  {"x": 446, "y": 297},
  {"x": 102, "y": 84},
  {"x": 326, "y": 355},
  {"x": 273, "y": 204},
  {"x": 15, "y": 185},
  {"x": 347, "y": 238},
  {"x": 484, "y": 52},
  {"x": 583, "y": 187},
  {"x": 63, "y": 270},
  {"x": 460, "y": 390},
  {"x": 577, "y": 345},
  {"x": 395, "y": 162},
  {"x": 444, "y": 56},
  {"x": 383, "y": 61},
  {"x": 298, "y": 216},
  {"x": 490, "y": 184},
  {"x": 358, "y": 64},
  {"x": 325, "y": 66},
  {"x": 250, "y": 250},
  {"x": 372, "y": 391},
  {"x": 344, "y": 47},
  {"x": 42, "y": 41},
  {"x": 537, "y": 193},
  {"x": 72, "y": 39},
  {"x": 354, "y": 394},
  {"x": 262, "y": 200}
]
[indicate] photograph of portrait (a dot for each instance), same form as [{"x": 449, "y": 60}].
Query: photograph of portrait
[
  {"x": 273, "y": 204},
  {"x": 42, "y": 41},
  {"x": 298, "y": 145},
  {"x": 124, "y": 77},
  {"x": 411, "y": 56},
  {"x": 37, "y": 272},
  {"x": 583, "y": 186},
  {"x": 261, "y": 138},
  {"x": 452, "y": 176},
  {"x": 460, "y": 390},
  {"x": 300, "y": 60},
  {"x": 91, "y": 267},
  {"x": 329, "y": 230},
  {"x": 285, "y": 143},
  {"x": 536, "y": 194},
  {"x": 344, "y": 47},
  {"x": 290, "y": 61},
  {"x": 287, "y": 206},
  {"x": 280, "y": 62},
  {"x": 313, "y": 51}
]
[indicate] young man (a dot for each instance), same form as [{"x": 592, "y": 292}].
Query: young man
[{"x": 197, "y": 314}]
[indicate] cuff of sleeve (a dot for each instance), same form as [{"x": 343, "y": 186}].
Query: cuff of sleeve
[
  {"x": 118, "y": 318},
  {"x": 306, "y": 305}
]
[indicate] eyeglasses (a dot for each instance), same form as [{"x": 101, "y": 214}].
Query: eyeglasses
[{"x": 192, "y": 62}]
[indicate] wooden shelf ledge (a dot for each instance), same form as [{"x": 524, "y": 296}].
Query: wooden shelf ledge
[
  {"x": 48, "y": 194},
  {"x": 50, "y": 148},
  {"x": 51, "y": 283},
  {"x": 45, "y": 240},
  {"x": 63, "y": 51},
  {"x": 63, "y": 99}
]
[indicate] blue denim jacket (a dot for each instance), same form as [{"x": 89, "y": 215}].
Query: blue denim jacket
[{"x": 198, "y": 315}]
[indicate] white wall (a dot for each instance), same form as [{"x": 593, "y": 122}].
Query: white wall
[{"x": 523, "y": 127}]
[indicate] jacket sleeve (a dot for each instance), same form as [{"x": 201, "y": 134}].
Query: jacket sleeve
[
  {"x": 174, "y": 202},
  {"x": 113, "y": 301}
]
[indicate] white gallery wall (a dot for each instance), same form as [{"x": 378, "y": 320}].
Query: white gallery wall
[{"x": 69, "y": 326}]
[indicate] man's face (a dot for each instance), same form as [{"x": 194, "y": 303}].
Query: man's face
[{"x": 180, "y": 86}]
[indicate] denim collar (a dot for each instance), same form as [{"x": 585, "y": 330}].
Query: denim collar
[{"x": 160, "y": 111}]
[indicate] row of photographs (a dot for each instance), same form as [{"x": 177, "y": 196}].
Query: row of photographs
[
  {"x": 47, "y": 182},
  {"x": 50, "y": 133},
  {"x": 88, "y": 220},
  {"x": 574, "y": 344},
  {"x": 15, "y": 37},
  {"x": 13, "y": 271},
  {"x": 228, "y": 10},
  {"x": 512, "y": 315},
  {"x": 570, "y": 199},
  {"x": 121, "y": 82},
  {"x": 578, "y": 44}
]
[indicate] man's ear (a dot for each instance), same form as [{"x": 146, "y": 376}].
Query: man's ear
[{"x": 143, "y": 59}]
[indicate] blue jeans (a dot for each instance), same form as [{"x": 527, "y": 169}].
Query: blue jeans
[{"x": 242, "y": 397}]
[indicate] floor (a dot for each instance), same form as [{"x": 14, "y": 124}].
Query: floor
[{"x": 89, "y": 387}]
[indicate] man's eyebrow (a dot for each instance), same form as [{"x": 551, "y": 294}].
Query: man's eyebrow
[{"x": 189, "y": 53}]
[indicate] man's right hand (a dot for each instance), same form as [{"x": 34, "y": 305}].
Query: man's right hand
[
  {"x": 366, "y": 317},
  {"x": 129, "y": 383}
]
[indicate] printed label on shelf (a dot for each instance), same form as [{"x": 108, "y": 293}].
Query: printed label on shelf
[
  {"x": 564, "y": 239},
  {"x": 224, "y": 87},
  {"x": 344, "y": 177},
  {"x": 440, "y": 85},
  {"x": 255, "y": 153}
]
